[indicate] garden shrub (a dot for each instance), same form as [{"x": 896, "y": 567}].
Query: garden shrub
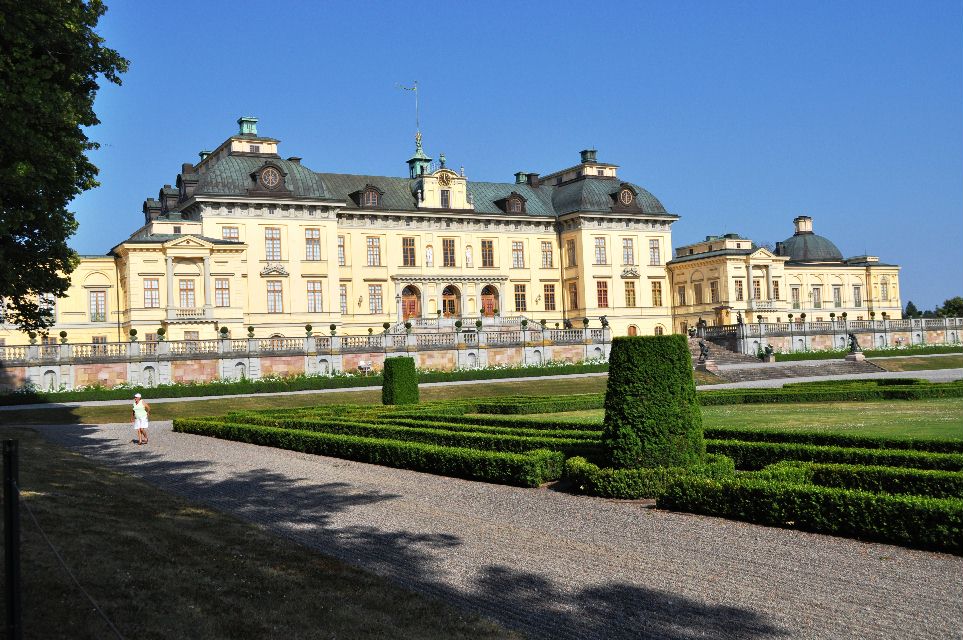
[
  {"x": 632, "y": 484},
  {"x": 400, "y": 381},
  {"x": 876, "y": 479},
  {"x": 652, "y": 418},
  {"x": 529, "y": 469},
  {"x": 752, "y": 456},
  {"x": 822, "y": 438},
  {"x": 915, "y": 521}
]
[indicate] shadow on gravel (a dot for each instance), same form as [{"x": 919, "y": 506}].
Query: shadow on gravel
[{"x": 517, "y": 599}]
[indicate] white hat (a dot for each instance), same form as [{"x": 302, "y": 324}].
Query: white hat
[{"x": 136, "y": 395}]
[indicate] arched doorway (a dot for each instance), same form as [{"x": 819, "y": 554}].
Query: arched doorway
[
  {"x": 450, "y": 301},
  {"x": 633, "y": 330},
  {"x": 489, "y": 301},
  {"x": 410, "y": 302}
]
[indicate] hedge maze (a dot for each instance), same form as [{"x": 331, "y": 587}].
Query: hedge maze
[{"x": 897, "y": 490}]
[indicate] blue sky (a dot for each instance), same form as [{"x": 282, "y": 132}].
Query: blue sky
[{"x": 738, "y": 116}]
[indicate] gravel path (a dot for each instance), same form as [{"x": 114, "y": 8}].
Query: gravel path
[{"x": 550, "y": 564}]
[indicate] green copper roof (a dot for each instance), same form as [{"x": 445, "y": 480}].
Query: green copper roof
[
  {"x": 232, "y": 176},
  {"x": 593, "y": 194},
  {"x": 809, "y": 247}
]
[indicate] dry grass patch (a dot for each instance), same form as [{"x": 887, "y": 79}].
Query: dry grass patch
[{"x": 163, "y": 568}]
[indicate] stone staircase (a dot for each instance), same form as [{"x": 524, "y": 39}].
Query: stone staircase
[{"x": 720, "y": 355}]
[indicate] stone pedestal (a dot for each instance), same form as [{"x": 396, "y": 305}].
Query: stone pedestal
[
  {"x": 709, "y": 366},
  {"x": 770, "y": 358},
  {"x": 855, "y": 357}
]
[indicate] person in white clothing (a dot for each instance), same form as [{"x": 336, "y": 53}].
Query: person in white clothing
[{"x": 140, "y": 414}]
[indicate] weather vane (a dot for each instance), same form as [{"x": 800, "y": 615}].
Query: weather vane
[{"x": 415, "y": 89}]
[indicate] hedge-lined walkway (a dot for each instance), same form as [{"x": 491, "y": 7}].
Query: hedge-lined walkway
[{"x": 551, "y": 564}]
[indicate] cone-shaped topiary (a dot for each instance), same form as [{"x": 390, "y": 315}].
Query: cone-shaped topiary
[
  {"x": 400, "y": 384},
  {"x": 652, "y": 418}
]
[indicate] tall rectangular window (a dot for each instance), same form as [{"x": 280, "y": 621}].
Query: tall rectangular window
[
  {"x": 445, "y": 198},
  {"x": 186, "y": 290},
  {"x": 714, "y": 291},
  {"x": 573, "y": 295},
  {"x": 98, "y": 306},
  {"x": 817, "y": 294},
  {"x": 549, "y": 295},
  {"x": 697, "y": 292},
  {"x": 681, "y": 293},
  {"x": 314, "y": 296},
  {"x": 448, "y": 252},
  {"x": 655, "y": 257},
  {"x": 740, "y": 294},
  {"x": 272, "y": 243},
  {"x": 884, "y": 291},
  {"x": 837, "y": 297},
  {"x": 374, "y": 251},
  {"x": 230, "y": 233},
  {"x": 656, "y": 294},
  {"x": 312, "y": 244},
  {"x": 630, "y": 294},
  {"x": 857, "y": 296},
  {"x": 628, "y": 251},
  {"x": 222, "y": 292},
  {"x": 520, "y": 303},
  {"x": 151, "y": 293},
  {"x": 600, "y": 257},
  {"x": 375, "y": 304},
  {"x": 547, "y": 261},
  {"x": 518, "y": 255},
  {"x": 488, "y": 253},
  {"x": 775, "y": 290},
  {"x": 757, "y": 289},
  {"x": 570, "y": 252},
  {"x": 343, "y": 298},
  {"x": 408, "y": 252},
  {"x": 794, "y": 297},
  {"x": 602, "y": 287},
  {"x": 275, "y": 302},
  {"x": 341, "y": 258}
]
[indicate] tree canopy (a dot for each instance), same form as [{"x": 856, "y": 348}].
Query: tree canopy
[
  {"x": 50, "y": 62},
  {"x": 952, "y": 308}
]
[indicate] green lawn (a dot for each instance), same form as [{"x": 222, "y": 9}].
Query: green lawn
[
  {"x": 910, "y": 363},
  {"x": 934, "y": 418}
]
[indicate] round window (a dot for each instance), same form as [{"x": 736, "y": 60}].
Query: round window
[
  {"x": 271, "y": 178},
  {"x": 625, "y": 197}
]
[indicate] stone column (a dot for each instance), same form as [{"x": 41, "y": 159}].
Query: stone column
[
  {"x": 769, "y": 282},
  {"x": 750, "y": 290}
]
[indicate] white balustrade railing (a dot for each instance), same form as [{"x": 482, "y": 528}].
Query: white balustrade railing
[
  {"x": 567, "y": 336},
  {"x": 188, "y": 347},
  {"x": 281, "y": 344},
  {"x": 435, "y": 340},
  {"x": 13, "y": 354}
]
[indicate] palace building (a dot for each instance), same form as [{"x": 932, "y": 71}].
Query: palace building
[{"x": 249, "y": 238}]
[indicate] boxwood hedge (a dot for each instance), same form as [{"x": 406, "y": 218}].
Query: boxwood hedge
[
  {"x": 528, "y": 469},
  {"x": 400, "y": 381},
  {"x": 632, "y": 484},
  {"x": 877, "y": 479},
  {"x": 822, "y": 438},
  {"x": 751, "y": 456},
  {"x": 916, "y": 521}
]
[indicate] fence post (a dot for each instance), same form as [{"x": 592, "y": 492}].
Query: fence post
[{"x": 11, "y": 535}]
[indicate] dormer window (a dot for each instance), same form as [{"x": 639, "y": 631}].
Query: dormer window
[
  {"x": 514, "y": 205},
  {"x": 254, "y": 148},
  {"x": 626, "y": 197},
  {"x": 271, "y": 178},
  {"x": 370, "y": 198}
]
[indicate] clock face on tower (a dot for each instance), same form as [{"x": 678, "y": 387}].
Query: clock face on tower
[
  {"x": 271, "y": 178},
  {"x": 444, "y": 179}
]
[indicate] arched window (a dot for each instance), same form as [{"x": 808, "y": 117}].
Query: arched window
[
  {"x": 659, "y": 330},
  {"x": 515, "y": 205},
  {"x": 370, "y": 198}
]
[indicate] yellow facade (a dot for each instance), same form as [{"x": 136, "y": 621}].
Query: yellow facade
[
  {"x": 247, "y": 238},
  {"x": 725, "y": 277}
]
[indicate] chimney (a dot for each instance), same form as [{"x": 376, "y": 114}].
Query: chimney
[
  {"x": 247, "y": 125},
  {"x": 204, "y": 154},
  {"x": 295, "y": 159},
  {"x": 521, "y": 177},
  {"x": 780, "y": 249},
  {"x": 804, "y": 224},
  {"x": 588, "y": 155},
  {"x": 533, "y": 179}
]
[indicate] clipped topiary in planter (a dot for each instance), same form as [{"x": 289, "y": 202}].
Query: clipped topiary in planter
[
  {"x": 652, "y": 418},
  {"x": 400, "y": 384}
]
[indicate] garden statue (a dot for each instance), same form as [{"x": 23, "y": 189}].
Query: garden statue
[
  {"x": 429, "y": 256},
  {"x": 854, "y": 344},
  {"x": 739, "y": 317},
  {"x": 768, "y": 350},
  {"x": 703, "y": 352}
]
